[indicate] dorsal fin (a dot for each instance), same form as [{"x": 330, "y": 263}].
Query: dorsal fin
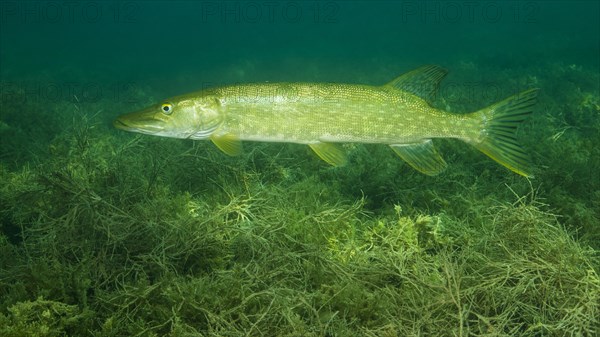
[{"x": 422, "y": 82}]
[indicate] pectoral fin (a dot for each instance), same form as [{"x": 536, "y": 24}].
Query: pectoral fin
[
  {"x": 333, "y": 154},
  {"x": 228, "y": 143},
  {"x": 422, "y": 156}
]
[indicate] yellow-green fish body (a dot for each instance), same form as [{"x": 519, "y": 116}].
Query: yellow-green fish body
[{"x": 325, "y": 114}]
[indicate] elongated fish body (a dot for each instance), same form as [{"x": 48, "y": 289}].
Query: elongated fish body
[
  {"x": 310, "y": 113},
  {"x": 322, "y": 115}
]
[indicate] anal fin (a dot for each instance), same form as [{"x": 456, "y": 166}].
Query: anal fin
[
  {"x": 422, "y": 156},
  {"x": 332, "y": 153}
]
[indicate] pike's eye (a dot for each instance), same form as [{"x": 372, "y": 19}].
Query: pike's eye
[{"x": 167, "y": 108}]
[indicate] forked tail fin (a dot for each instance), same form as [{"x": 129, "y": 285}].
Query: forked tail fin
[{"x": 499, "y": 127}]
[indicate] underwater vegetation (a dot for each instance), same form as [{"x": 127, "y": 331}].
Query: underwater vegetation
[{"x": 104, "y": 233}]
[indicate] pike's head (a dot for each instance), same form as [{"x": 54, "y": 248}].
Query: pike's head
[{"x": 190, "y": 116}]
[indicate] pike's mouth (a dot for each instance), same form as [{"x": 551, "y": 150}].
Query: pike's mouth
[
  {"x": 117, "y": 123},
  {"x": 151, "y": 127}
]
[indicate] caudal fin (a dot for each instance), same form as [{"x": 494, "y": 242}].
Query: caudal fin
[{"x": 500, "y": 122}]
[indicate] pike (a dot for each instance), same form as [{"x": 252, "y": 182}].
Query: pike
[{"x": 323, "y": 115}]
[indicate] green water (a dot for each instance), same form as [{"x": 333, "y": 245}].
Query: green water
[{"x": 108, "y": 233}]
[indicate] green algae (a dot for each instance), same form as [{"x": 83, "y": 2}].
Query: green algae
[
  {"x": 43, "y": 318},
  {"x": 110, "y": 234}
]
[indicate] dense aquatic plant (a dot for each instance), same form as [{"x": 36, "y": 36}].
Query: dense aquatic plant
[{"x": 112, "y": 234}]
